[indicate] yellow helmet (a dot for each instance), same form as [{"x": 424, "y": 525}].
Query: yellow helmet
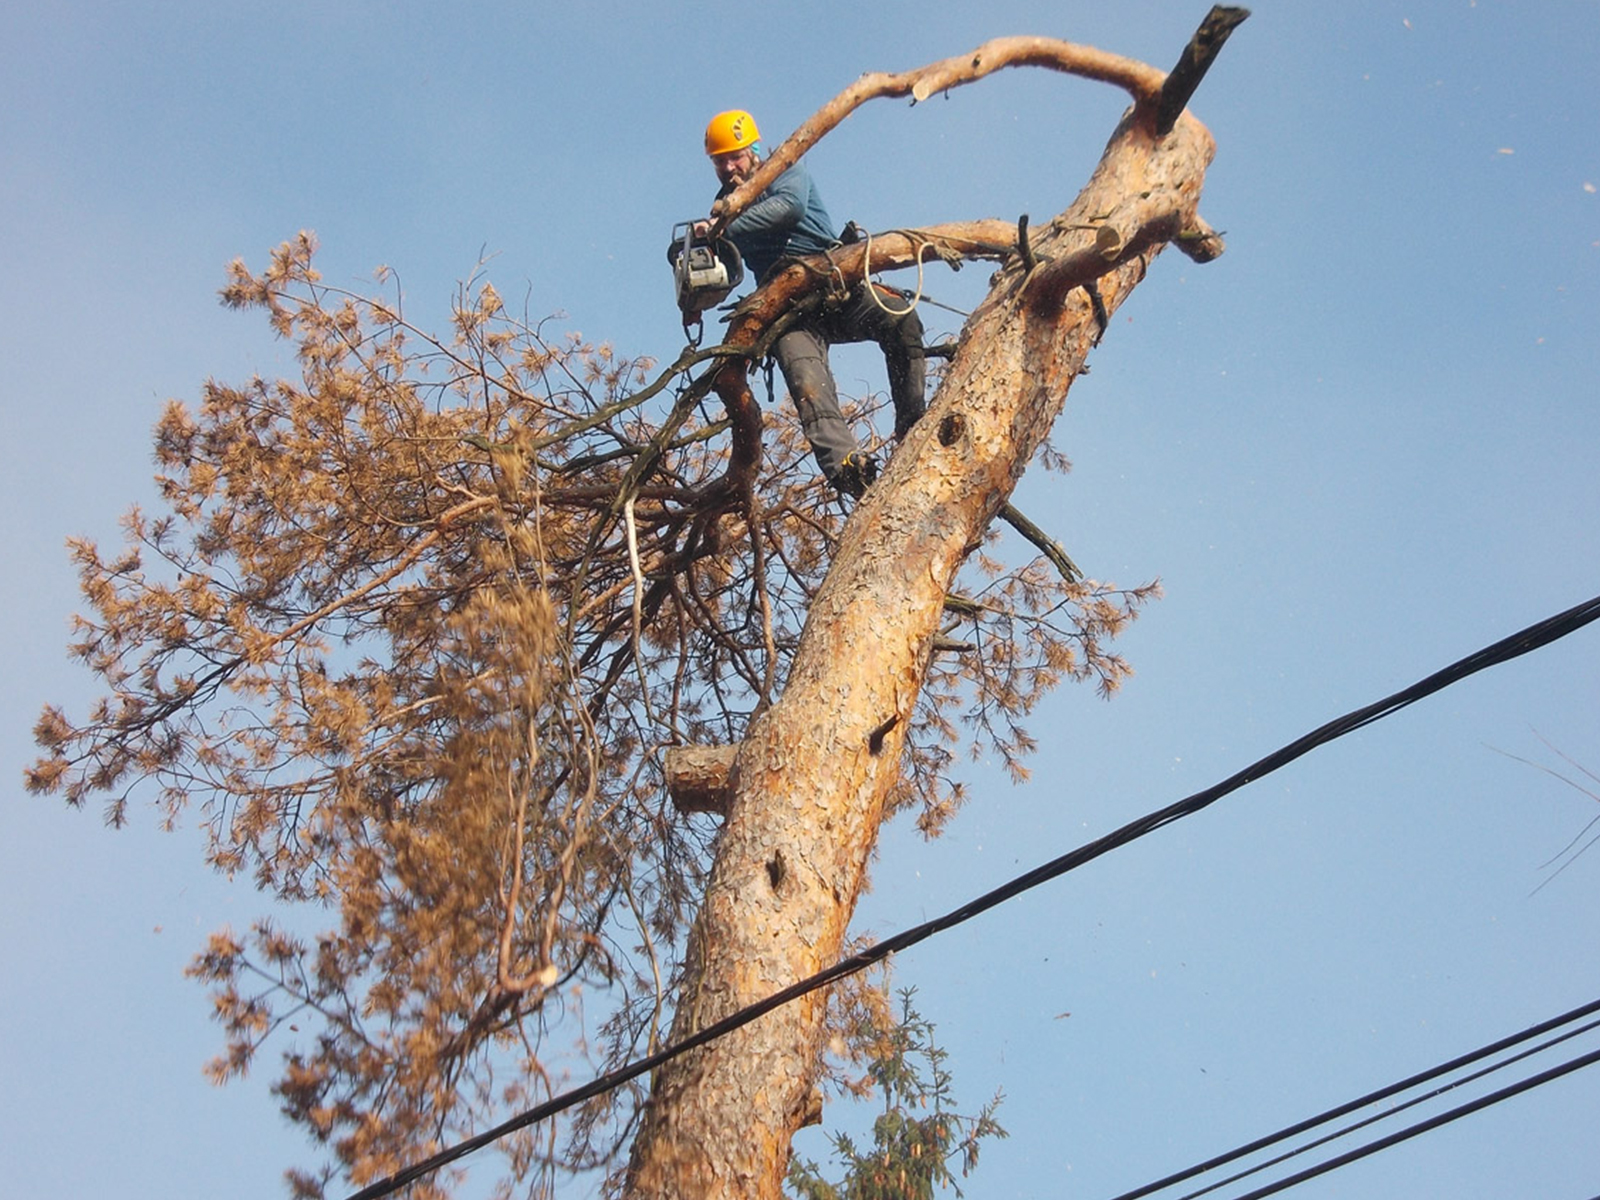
[{"x": 730, "y": 131}]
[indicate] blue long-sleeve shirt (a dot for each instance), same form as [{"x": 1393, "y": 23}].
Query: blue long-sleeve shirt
[{"x": 788, "y": 219}]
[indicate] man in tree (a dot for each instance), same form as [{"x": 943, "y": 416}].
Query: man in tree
[
  {"x": 789, "y": 220},
  {"x": 415, "y": 657}
]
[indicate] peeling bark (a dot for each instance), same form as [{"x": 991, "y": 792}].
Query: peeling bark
[{"x": 809, "y": 782}]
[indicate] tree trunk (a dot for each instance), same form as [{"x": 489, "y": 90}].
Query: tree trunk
[{"x": 809, "y": 784}]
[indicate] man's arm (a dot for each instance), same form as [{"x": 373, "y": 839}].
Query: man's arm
[{"x": 779, "y": 209}]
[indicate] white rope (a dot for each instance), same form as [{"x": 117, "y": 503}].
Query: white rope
[
  {"x": 638, "y": 605},
  {"x": 866, "y": 276}
]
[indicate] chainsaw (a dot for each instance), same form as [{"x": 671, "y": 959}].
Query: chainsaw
[{"x": 704, "y": 269}]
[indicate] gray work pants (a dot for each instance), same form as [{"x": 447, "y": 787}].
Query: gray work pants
[{"x": 802, "y": 354}]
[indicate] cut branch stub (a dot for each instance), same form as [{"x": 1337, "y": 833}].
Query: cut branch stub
[
  {"x": 1195, "y": 61},
  {"x": 1200, "y": 242},
  {"x": 700, "y": 778}
]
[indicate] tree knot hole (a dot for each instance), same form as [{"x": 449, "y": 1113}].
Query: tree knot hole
[{"x": 951, "y": 429}]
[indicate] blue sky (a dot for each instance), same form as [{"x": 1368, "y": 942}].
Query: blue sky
[{"x": 1359, "y": 446}]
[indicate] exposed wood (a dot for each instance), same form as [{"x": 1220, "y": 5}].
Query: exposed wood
[{"x": 1100, "y": 248}]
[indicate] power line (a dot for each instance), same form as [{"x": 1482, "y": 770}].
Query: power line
[
  {"x": 1535, "y": 636},
  {"x": 1374, "y": 1097},
  {"x": 1397, "y": 1108},
  {"x": 1411, "y": 1131}
]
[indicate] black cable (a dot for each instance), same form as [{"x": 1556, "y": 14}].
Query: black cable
[
  {"x": 1530, "y": 1052},
  {"x": 1411, "y": 1131},
  {"x": 1532, "y": 638},
  {"x": 1371, "y": 1098}
]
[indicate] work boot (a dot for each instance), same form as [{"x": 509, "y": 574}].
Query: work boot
[{"x": 855, "y": 474}]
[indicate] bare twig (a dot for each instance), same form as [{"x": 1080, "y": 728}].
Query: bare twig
[
  {"x": 1029, "y": 262},
  {"x": 1047, "y": 545}
]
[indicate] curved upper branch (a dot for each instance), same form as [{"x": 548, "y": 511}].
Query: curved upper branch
[{"x": 1142, "y": 81}]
